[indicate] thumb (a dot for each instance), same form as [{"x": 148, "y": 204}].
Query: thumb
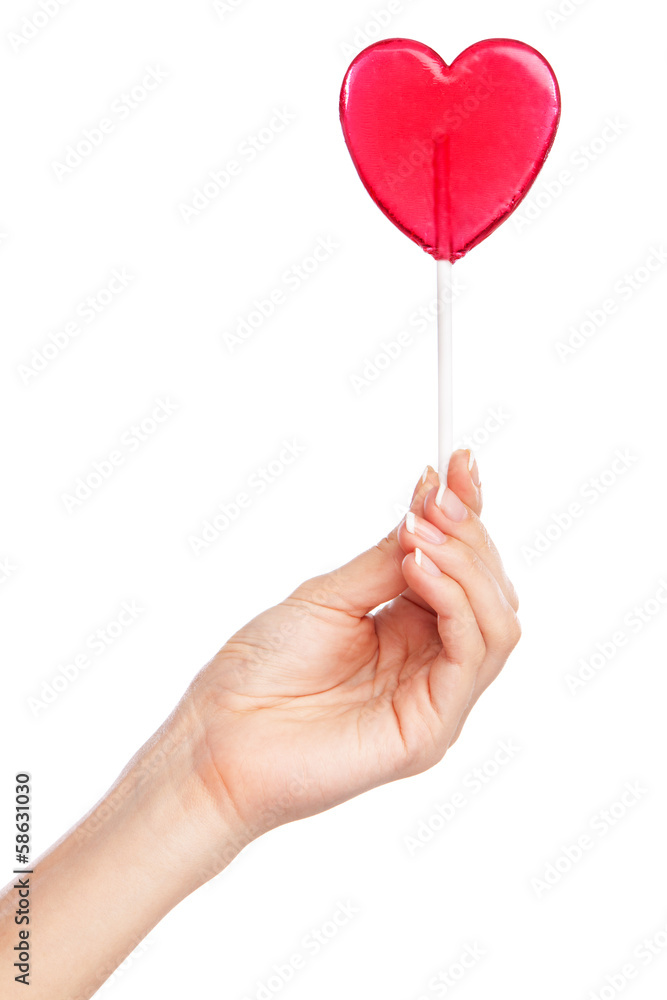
[{"x": 371, "y": 578}]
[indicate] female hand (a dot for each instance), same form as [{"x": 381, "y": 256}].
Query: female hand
[
  {"x": 317, "y": 700},
  {"x": 312, "y": 702}
]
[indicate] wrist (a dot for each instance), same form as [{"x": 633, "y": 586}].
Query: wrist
[
  {"x": 188, "y": 829},
  {"x": 154, "y": 838}
]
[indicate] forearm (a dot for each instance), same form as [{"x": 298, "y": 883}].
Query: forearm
[{"x": 154, "y": 838}]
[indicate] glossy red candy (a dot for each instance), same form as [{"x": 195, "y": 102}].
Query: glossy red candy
[{"x": 448, "y": 152}]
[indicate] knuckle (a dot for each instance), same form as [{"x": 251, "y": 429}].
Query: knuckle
[
  {"x": 454, "y": 596},
  {"x": 478, "y": 535},
  {"x": 388, "y": 548},
  {"x": 386, "y": 542},
  {"x": 484, "y": 537},
  {"x": 461, "y": 625},
  {"x": 479, "y": 653},
  {"x": 465, "y": 559},
  {"x": 318, "y": 590},
  {"x": 506, "y": 634},
  {"x": 514, "y": 631}
]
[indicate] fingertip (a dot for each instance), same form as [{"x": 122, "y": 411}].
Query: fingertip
[
  {"x": 427, "y": 480},
  {"x": 413, "y": 573},
  {"x": 473, "y": 469},
  {"x": 463, "y": 479}
]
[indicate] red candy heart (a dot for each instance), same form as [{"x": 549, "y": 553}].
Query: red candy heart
[{"x": 448, "y": 152}]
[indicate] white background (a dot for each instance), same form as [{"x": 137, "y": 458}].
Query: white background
[{"x": 363, "y": 450}]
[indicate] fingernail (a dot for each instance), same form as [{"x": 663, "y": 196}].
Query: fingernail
[
  {"x": 449, "y": 504},
  {"x": 424, "y": 477},
  {"x": 425, "y": 530},
  {"x": 426, "y": 564},
  {"x": 473, "y": 470}
]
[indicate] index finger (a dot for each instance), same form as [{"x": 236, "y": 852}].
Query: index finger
[{"x": 444, "y": 509}]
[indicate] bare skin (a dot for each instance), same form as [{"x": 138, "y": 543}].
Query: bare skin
[{"x": 311, "y": 703}]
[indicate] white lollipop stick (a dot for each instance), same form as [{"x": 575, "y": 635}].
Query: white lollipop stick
[
  {"x": 445, "y": 380},
  {"x": 442, "y": 209}
]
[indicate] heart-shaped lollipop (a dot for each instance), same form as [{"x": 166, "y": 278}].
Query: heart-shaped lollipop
[{"x": 448, "y": 152}]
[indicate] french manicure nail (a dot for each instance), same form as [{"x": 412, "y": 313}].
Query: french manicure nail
[
  {"x": 426, "y": 564},
  {"x": 473, "y": 470},
  {"x": 429, "y": 532},
  {"x": 424, "y": 476},
  {"x": 425, "y": 530},
  {"x": 449, "y": 504}
]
